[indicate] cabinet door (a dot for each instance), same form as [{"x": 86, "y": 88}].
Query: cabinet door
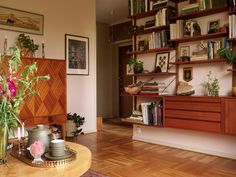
[{"x": 230, "y": 116}]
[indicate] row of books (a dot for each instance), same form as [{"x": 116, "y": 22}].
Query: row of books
[
  {"x": 159, "y": 39},
  {"x": 152, "y": 88},
  {"x": 152, "y": 113},
  {"x": 140, "y": 6},
  {"x": 232, "y": 26},
  {"x": 162, "y": 16},
  {"x": 232, "y": 5}
]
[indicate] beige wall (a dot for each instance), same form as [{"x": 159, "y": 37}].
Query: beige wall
[{"x": 62, "y": 17}]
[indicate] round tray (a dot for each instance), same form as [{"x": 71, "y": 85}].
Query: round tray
[{"x": 48, "y": 161}]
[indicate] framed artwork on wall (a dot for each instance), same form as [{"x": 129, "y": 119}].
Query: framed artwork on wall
[
  {"x": 213, "y": 26},
  {"x": 187, "y": 74},
  {"x": 22, "y": 21},
  {"x": 162, "y": 62},
  {"x": 77, "y": 54}
]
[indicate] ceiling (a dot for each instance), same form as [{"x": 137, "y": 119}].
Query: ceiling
[{"x": 111, "y": 11}]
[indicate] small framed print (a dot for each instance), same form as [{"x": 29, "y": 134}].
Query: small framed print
[
  {"x": 129, "y": 69},
  {"x": 77, "y": 55},
  {"x": 184, "y": 51},
  {"x": 213, "y": 26},
  {"x": 162, "y": 62},
  {"x": 187, "y": 74}
]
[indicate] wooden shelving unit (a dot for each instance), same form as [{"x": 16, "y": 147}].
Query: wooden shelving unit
[
  {"x": 151, "y": 29},
  {"x": 165, "y": 49},
  {"x": 198, "y": 62},
  {"x": 232, "y": 39},
  {"x": 200, "y": 37},
  {"x": 153, "y": 74},
  {"x": 201, "y": 13}
]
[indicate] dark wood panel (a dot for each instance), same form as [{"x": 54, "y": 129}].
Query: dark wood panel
[
  {"x": 230, "y": 116},
  {"x": 194, "y": 98},
  {"x": 193, "y": 115},
  {"x": 193, "y": 125}
]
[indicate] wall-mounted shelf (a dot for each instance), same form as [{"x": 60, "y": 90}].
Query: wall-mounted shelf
[
  {"x": 153, "y": 74},
  {"x": 201, "y": 13},
  {"x": 200, "y": 37},
  {"x": 144, "y": 95},
  {"x": 164, "y": 49},
  {"x": 232, "y": 39},
  {"x": 198, "y": 62},
  {"x": 151, "y": 29},
  {"x": 233, "y": 70}
]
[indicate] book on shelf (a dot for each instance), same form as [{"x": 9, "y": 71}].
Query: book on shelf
[
  {"x": 232, "y": 24},
  {"x": 136, "y": 6},
  {"x": 190, "y": 8}
]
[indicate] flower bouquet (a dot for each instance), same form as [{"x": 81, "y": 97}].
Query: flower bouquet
[{"x": 16, "y": 84}]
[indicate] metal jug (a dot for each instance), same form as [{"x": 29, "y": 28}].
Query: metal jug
[{"x": 41, "y": 133}]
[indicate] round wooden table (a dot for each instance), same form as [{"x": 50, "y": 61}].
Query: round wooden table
[{"x": 17, "y": 168}]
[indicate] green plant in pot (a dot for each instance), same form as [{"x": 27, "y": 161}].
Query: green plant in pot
[
  {"x": 228, "y": 54},
  {"x": 27, "y": 45},
  {"x": 137, "y": 65},
  {"x": 74, "y": 121}
]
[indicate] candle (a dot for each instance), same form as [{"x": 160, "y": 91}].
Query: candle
[
  {"x": 5, "y": 36},
  {"x": 23, "y": 130},
  {"x": 19, "y": 133}
]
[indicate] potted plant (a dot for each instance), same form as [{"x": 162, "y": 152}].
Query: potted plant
[
  {"x": 16, "y": 84},
  {"x": 228, "y": 54},
  {"x": 74, "y": 121},
  {"x": 137, "y": 65},
  {"x": 212, "y": 85},
  {"x": 27, "y": 45}
]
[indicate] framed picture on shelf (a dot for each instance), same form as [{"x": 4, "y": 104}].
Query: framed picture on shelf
[
  {"x": 77, "y": 55},
  {"x": 213, "y": 26},
  {"x": 21, "y": 21},
  {"x": 162, "y": 62},
  {"x": 187, "y": 74},
  {"x": 184, "y": 51},
  {"x": 129, "y": 69}
]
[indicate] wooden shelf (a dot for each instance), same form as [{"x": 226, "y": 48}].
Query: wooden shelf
[
  {"x": 151, "y": 29},
  {"x": 147, "y": 14},
  {"x": 198, "y": 62},
  {"x": 164, "y": 49},
  {"x": 233, "y": 70},
  {"x": 201, "y": 37},
  {"x": 201, "y": 13},
  {"x": 153, "y": 74},
  {"x": 232, "y": 39},
  {"x": 144, "y": 95},
  {"x": 132, "y": 121},
  {"x": 232, "y": 12}
]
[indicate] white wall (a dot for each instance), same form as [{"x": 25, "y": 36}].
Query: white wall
[{"x": 62, "y": 17}]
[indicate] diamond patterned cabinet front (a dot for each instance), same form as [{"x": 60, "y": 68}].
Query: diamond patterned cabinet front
[{"x": 49, "y": 106}]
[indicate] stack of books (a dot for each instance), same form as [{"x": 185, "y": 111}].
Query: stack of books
[{"x": 190, "y": 8}]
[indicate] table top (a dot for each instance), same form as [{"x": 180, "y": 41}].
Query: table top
[{"x": 76, "y": 168}]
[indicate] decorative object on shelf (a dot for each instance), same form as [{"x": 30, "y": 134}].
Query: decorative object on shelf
[
  {"x": 137, "y": 64},
  {"x": 228, "y": 54},
  {"x": 134, "y": 89},
  {"x": 162, "y": 61},
  {"x": 200, "y": 53},
  {"x": 26, "y": 45},
  {"x": 129, "y": 69},
  {"x": 184, "y": 89},
  {"x": 77, "y": 54},
  {"x": 5, "y": 44},
  {"x": 187, "y": 73},
  {"x": 213, "y": 26},
  {"x": 42, "y": 133},
  {"x": 142, "y": 45},
  {"x": 185, "y": 53},
  {"x": 212, "y": 85},
  {"x": 18, "y": 20},
  {"x": 36, "y": 150},
  {"x": 73, "y": 124},
  {"x": 16, "y": 84},
  {"x": 191, "y": 28}
]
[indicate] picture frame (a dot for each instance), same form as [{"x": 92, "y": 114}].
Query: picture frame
[
  {"x": 77, "y": 54},
  {"x": 162, "y": 62},
  {"x": 184, "y": 51},
  {"x": 213, "y": 26},
  {"x": 129, "y": 69},
  {"x": 187, "y": 74},
  {"x": 21, "y": 21}
]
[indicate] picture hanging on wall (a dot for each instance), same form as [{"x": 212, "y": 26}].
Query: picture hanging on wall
[
  {"x": 162, "y": 62},
  {"x": 22, "y": 21},
  {"x": 187, "y": 74},
  {"x": 77, "y": 54}
]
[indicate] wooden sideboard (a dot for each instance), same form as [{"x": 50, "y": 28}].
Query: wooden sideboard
[
  {"x": 212, "y": 114},
  {"x": 49, "y": 106}
]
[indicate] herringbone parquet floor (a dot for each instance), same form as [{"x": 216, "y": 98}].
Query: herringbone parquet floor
[{"x": 114, "y": 153}]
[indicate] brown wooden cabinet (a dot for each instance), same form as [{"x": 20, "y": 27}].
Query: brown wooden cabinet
[
  {"x": 49, "y": 106},
  {"x": 194, "y": 113},
  {"x": 230, "y": 116}
]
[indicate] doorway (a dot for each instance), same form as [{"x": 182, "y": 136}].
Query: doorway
[{"x": 126, "y": 102}]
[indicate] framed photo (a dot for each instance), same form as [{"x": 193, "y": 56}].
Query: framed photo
[
  {"x": 22, "y": 21},
  {"x": 77, "y": 55},
  {"x": 187, "y": 74},
  {"x": 184, "y": 51},
  {"x": 162, "y": 62},
  {"x": 129, "y": 69},
  {"x": 213, "y": 26}
]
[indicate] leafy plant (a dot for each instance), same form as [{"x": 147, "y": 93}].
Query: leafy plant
[
  {"x": 212, "y": 85},
  {"x": 138, "y": 65},
  {"x": 228, "y": 54},
  {"x": 78, "y": 120},
  {"x": 26, "y": 42}
]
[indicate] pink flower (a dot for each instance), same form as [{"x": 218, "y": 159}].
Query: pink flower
[
  {"x": 12, "y": 88},
  {"x": 37, "y": 148}
]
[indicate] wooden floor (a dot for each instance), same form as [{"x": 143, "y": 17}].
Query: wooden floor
[{"x": 114, "y": 153}]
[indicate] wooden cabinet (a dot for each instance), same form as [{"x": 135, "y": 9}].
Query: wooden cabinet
[
  {"x": 230, "y": 116},
  {"x": 194, "y": 113},
  {"x": 49, "y": 106}
]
